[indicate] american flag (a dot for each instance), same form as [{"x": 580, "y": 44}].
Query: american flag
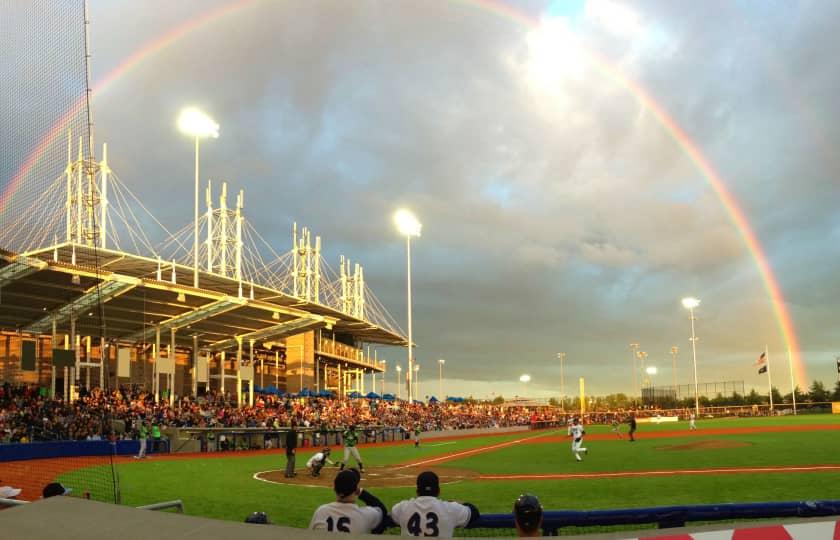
[{"x": 761, "y": 359}]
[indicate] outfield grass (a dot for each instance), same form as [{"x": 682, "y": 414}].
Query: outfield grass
[
  {"x": 224, "y": 488},
  {"x": 799, "y": 448}
]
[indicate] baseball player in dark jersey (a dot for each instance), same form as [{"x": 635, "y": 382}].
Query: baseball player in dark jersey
[{"x": 632, "y": 422}]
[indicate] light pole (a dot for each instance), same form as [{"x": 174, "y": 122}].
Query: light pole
[
  {"x": 417, "y": 380},
  {"x": 635, "y": 348},
  {"x": 690, "y": 303},
  {"x": 384, "y": 373},
  {"x": 674, "y": 351},
  {"x": 408, "y": 225},
  {"x": 198, "y": 125},
  {"x": 651, "y": 371},
  {"x": 399, "y": 383},
  {"x": 441, "y": 361},
  {"x": 562, "y": 357},
  {"x": 524, "y": 379}
]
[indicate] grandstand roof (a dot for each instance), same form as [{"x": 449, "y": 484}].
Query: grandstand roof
[{"x": 68, "y": 280}]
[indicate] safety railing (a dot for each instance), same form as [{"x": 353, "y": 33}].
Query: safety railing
[{"x": 662, "y": 517}]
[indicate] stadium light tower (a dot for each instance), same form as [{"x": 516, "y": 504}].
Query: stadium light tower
[
  {"x": 674, "y": 351},
  {"x": 690, "y": 303},
  {"x": 441, "y": 361},
  {"x": 635, "y": 348},
  {"x": 198, "y": 125},
  {"x": 399, "y": 389},
  {"x": 417, "y": 380},
  {"x": 562, "y": 357},
  {"x": 409, "y": 226}
]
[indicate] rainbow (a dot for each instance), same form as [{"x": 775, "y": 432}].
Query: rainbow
[{"x": 498, "y": 9}]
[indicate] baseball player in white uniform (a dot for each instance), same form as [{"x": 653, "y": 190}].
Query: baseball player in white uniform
[
  {"x": 691, "y": 425},
  {"x": 427, "y": 515},
  {"x": 343, "y": 515},
  {"x": 317, "y": 462},
  {"x": 577, "y": 432}
]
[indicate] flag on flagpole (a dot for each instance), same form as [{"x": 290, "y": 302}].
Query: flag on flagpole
[
  {"x": 763, "y": 369},
  {"x": 762, "y": 361}
]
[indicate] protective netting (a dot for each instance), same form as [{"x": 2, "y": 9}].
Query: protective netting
[
  {"x": 43, "y": 85},
  {"x": 91, "y": 477}
]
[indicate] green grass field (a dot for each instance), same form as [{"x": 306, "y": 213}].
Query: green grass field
[{"x": 225, "y": 488}]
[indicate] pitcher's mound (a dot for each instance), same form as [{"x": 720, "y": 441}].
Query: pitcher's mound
[
  {"x": 396, "y": 476},
  {"x": 713, "y": 444}
]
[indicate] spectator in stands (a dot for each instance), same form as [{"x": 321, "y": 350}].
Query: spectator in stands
[
  {"x": 54, "y": 489},
  {"x": 528, "y": 516},
  {"x": 258, "y": 518},
  {"x": 344, "y": 515},
  {"x": 427, "y": 515},
  {"x": 291, "y": 445}
]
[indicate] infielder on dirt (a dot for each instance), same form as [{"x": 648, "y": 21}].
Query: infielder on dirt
[
  {"x": 349, "y": 439},
  {"x": 426, "y": 515},
  {"x": 577, "y": 432},
  {"x": 317, "y": 462}
]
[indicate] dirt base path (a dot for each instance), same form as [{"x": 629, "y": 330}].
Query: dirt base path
[{"x": 373, "y": 477}]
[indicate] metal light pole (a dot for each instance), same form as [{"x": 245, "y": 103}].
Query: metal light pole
[
  {"x": 635, "y": 348},
  {"x": 417, "y": 380},
  {"x": 409, "y": 226},
  {"x": 562, "y": 357},
  {"x": 674, "y": 351},
  {"x": 195, "y": 123},
  {"x": 441, "y": 361},
  {"x": 690, "y": 303},
  {"x": 399, "y": 384},
  {"x": 384, "y": 373}
]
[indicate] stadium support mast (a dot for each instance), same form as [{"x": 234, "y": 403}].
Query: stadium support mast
[
  {"x": 306, "y": 265},
  {"x": 86, "y": 203}
]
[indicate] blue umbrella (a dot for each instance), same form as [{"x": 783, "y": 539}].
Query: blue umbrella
[
  {"x": 388, "y": 397},
  {"x": 373, "y": 395},
  {"x": 354, "y": 395}
]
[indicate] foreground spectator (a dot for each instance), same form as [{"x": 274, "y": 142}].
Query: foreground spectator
[
  {"x": 344, "y": 515},
  {"x": 427, "y": 515},
  {"x": 54, "y": 490},
  {"x": 258, "y": 518},
  {"x": 528, "y": 516}
]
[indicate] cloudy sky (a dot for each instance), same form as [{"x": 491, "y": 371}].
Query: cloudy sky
[{"x": 558, "y": 214}]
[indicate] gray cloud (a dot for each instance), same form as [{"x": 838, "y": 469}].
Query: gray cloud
[{"x": 559, "y": 217}]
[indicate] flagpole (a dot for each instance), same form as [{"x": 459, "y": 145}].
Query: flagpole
[
  {"x": 769, "y": 378},
  {"x": 792, "y": 382}
]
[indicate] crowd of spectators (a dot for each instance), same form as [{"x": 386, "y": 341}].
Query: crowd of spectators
[{"x": 27, "y": 414}]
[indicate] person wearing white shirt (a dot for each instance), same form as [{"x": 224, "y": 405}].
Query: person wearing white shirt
[
  {"x": 427, "y": 515},
  {"x": 317, "y": 462},
  {"x": 343, "y": 515},
  {"x": 577, "y": 432}
]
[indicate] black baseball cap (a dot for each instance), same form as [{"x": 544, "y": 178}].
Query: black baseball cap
[
  {"x": 54, "y": 489},
  {"x": 346, "y": 482},
  {"x": 528, "y": 511},
  {"x": 260, "y": 518},
  {"x": 428, "y": 483}
]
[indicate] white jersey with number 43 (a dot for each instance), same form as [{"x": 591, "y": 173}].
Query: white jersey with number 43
[
  {"x": 345, "y": 517},
  {"x": 430, "y": 516}
]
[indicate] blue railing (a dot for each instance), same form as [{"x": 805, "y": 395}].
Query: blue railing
[{"x": 668, "y": 516}]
